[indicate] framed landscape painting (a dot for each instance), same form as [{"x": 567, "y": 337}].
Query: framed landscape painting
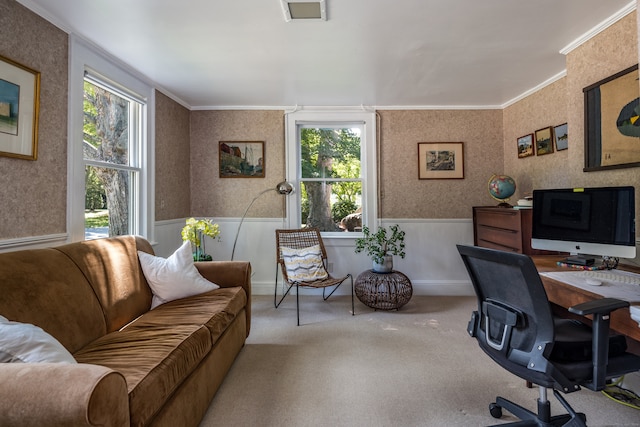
[
  {"x": 525, "y": 146},
  {"x": 440, "y": 160},
  {"x": 241, "y": 159},
  {"x": 19, "y": 107},
  {"x": 544, "y": 141},
  {"x": 561, "y": 136}
]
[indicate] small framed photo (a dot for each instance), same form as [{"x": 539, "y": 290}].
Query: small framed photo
[
  {"x": 241, "y": 159},
  {"x": 525, "y": 146},
  {"x": 561, "y": 136},
  {"x": 544, "y": 141},
  {"x": 440, "y": 160},
  {"x": 19, "y": 107}
]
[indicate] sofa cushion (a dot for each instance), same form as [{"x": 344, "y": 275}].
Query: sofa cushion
[
  {"x": 173, "y": 277},
  {"x": 26, "y": 343},
  {"x": 45, "y": 288},
  {"x": 153, "y": 360},
  {"x": 215, "y": 310},
  {"x": 111, "y": 267}
]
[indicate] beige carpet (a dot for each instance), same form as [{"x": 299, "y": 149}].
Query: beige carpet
[{"x": 415, "y": 367}]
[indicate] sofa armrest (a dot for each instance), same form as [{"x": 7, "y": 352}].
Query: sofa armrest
[
  {"x": 228, "y": 274},
  {"x": 61, "y": 394}
]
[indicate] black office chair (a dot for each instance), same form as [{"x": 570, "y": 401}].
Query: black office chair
[{"x": 515, "y": 327}]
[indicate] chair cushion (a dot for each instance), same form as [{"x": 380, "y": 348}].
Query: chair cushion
[
  {"x": 573, "y": 342},
  {"x": 304, "y": 265}
]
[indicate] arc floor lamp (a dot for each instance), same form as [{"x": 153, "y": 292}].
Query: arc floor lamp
[{"x": 283, "y": 188}]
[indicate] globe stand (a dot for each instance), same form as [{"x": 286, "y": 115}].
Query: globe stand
[{"x": 504, "y": 204}]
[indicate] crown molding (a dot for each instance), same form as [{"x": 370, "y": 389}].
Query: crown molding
[{"x": 599, "y": 28}]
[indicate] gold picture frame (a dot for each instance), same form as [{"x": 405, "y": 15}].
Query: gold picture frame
[
  {"x": 525, "y": 146},
  {"x": 544, "y": 141},
  {"x": 19, "y": 109},
  {"x": 241, "y": 159},
  {"x": 440, "y": 160}
]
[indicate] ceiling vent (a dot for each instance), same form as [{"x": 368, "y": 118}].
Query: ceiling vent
[{"x": 300, "y": 10}]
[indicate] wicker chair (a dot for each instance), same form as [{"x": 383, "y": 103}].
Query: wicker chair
[{"x": 302, "y": 239}]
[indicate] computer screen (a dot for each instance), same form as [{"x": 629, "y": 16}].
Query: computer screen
[{"x": 585, "y": 221}]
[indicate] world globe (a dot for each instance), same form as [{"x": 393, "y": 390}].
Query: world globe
[{"x": 501, "y": 187}]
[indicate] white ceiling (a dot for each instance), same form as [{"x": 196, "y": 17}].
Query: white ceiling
[{"x": 376, "y": 53}]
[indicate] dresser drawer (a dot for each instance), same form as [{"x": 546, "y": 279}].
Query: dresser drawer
[
  {"x": 499, "y": 238},
  {"x": 499, "y": 218}
]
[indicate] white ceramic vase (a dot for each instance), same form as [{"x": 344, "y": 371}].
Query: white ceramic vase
[{"x": 385, "y": 267}]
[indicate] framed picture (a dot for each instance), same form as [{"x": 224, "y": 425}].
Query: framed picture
[
  {"x": 241, "y": 159},
  {"x": 561, "y": 137},
  {"x": 525, "y": 146},
  {"x": 440, "y": 160},
  {"x": 19, "y": 107},
  {"x": 611, "y": 129},
  {"x": 544, "y": 141}
]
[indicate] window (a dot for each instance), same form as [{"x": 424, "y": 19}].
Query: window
[
  {"x": 110, "y": 148},
  {"x": 331, "y": 160}
]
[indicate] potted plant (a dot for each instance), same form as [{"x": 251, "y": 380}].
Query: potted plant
[
  {"x": 194, "y": 232},
  {"x": 381, "y": 246}
]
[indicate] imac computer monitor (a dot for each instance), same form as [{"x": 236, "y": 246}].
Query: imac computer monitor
[{"x": 585, "y": 221}]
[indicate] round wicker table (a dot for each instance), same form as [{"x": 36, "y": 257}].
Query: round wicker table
[{"x": 384, "y": 291}]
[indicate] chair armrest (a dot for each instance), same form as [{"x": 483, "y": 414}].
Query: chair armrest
[
  {"x": 227, "y": 274},
  {"x": 601, "y": 310},
  {"x": 599, "y": 306},
  {"x": 39, "y": 394}
]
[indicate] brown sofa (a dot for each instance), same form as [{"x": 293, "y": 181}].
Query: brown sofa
[{"x": 136, "y": 366}]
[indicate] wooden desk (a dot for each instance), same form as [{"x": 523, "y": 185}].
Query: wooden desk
[{"x": 564, "y": 295}]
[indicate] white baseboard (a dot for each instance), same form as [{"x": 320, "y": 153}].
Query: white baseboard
[{"x": 420, "y": 287}]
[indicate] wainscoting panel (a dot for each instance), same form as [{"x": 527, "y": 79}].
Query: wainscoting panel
[{"x": 432, "y": 261}]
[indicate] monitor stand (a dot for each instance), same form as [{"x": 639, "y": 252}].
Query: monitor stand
[{"x": 579, "y": 260}]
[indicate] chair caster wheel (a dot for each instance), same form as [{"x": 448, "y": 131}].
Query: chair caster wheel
[{"x": 495, "y": 410}]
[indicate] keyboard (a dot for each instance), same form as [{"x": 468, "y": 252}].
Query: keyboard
[{"x": 611, "y": 276}]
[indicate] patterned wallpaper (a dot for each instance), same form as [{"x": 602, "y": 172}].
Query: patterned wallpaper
[
  {"x": 403, "y": 195},
  {"x": 613, "y": 50},
  {"x": 33, "y": 194},
  {"x": 228, "y": 197},
  {"x": 172, "y": 171}
]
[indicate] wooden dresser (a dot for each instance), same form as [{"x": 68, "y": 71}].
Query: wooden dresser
[{"x": 503, "y": 228}]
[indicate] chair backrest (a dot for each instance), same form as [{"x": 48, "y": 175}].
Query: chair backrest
[
  {"x": 514, "y": 323},
  {"x": 298, "y": 239}
]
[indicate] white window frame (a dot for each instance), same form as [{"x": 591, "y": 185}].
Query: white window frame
[
  {"x": 368, "y": 159},
  {"x": 83, "y": 57}
]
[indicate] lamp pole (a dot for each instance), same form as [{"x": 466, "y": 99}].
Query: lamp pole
[{"x": 283, "y": 188}]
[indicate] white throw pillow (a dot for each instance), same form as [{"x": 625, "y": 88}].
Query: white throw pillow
[
  {"x": 26, "y": 343},
  {"x": 174, "y": 277},
  {"x": 304, "y": 265}
]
